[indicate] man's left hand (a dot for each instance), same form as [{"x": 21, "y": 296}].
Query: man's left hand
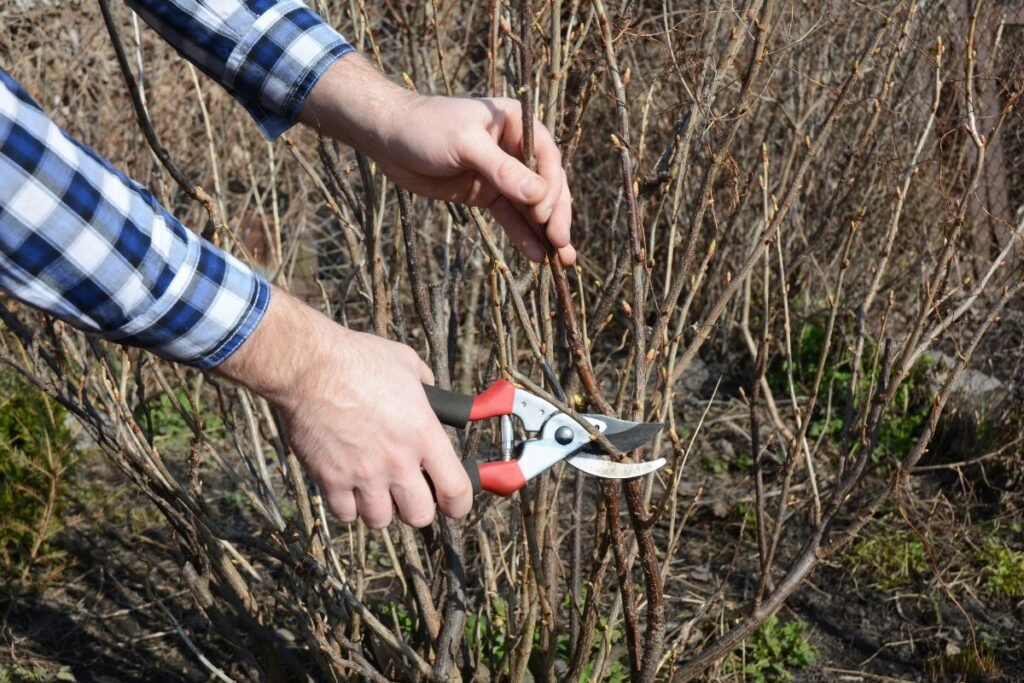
[{"x": 456, "y": 149}]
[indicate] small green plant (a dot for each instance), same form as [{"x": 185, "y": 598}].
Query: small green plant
[
  {"x": 719, "y": 463},
  {"x": 1003, "y": 568},
  {"x": 772, "y": 651},
  {"x": 396, "y": 614},
  {"x": 36, "y": 457},
  {"x": 895, "y": 559},
  {"x": 235, "y": 502},
  {"x": 165, "y": 422},
  {"x": 903, "y": 421},
  {"x": 486, "y": 633},
  {"x": 616, "y": 671}
]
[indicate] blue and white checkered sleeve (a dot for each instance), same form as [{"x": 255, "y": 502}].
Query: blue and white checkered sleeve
[
  {"x": 83, "y": 242},
  {"x": 267, "y": 53}
]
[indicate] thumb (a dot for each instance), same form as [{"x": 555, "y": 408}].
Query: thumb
[{"x": 507, "y": 174}]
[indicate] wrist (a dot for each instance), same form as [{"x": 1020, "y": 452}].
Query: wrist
[
  {"x": 355, "y": 103},
  {"x": 281, "y": 358}
]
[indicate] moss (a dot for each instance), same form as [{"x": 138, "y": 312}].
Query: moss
[{"x": 1003, "y": 569}]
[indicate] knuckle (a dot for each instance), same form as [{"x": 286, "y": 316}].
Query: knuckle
[
  {"x": 409, "y": 356},
  {"x": 331, "y": 481},
  {"x": 450, "y": 499},
  {"x": 378, "y": 521},
  {"x": 508, "y": 105},
  {"x": 506, "y": 170},
  {"x": 398, "y": 463},
  {"x": 362, "y": 472},
  {"x": 420, "y": 518},
  {"x": 463, "y": 139}
]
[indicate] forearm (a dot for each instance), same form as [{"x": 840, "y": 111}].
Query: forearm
[
  {"x": 355, "y": 103},
  {"x": 84, "y": 243},
  {"x": 285, "y": 351}
]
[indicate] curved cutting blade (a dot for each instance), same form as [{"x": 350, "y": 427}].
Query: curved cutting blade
[
  {"x": 624, "y": 435},
  {"x": 609, "y": 469}
]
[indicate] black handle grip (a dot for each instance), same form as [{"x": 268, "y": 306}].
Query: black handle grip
[
  {"x": 473, "y": 470},
  {"x": 451, "y": 408}
]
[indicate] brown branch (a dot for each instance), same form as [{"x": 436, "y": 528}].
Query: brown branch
[{"x": 216, "y": 227}]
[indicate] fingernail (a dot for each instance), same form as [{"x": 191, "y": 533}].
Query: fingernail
[{"x": 530, "y": 186}]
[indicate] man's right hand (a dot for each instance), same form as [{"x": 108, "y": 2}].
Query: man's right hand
[{"x": 356, "y": 415}]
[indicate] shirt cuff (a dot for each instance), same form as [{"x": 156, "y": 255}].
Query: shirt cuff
[
  {"x": 250, "y": 317},
  {"x": 83, "y": 242},
  {"x": 276, "y": 63}
]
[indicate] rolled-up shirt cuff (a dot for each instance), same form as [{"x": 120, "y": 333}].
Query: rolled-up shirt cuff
[{"x": 276, "y": 63}]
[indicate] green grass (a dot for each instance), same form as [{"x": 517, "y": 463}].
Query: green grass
[{"x": 894, "y": 559}]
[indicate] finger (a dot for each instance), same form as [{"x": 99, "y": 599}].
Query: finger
[
  {"x": 567, "y": 255},
  {"x": 560, "y": 223},
  {"x": 452, "y": 488},
  {"x": 413, "y": 499},
  {"x": 518, "y": 230},
  {"x": 425, "y": 373},
  {"x": 549, "y": 166},
  {"x": 413, "y": 361},
  {"x": 374, "y": 506},
  {"x": 342, "y": 504},
  {"x": 503, "y": 171}
]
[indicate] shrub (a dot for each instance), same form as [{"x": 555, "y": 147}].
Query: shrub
[{"x": 36, "y": 456}]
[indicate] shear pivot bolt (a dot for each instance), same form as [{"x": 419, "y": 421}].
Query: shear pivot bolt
[{"x": 564, "y": 436}]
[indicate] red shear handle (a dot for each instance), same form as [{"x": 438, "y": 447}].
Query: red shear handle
[
  {"x": 455, "y": 410},
  {"x": 503, "y": 478},
  {"x": 498, "y": 399}
]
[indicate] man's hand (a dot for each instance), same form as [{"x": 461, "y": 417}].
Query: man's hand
[
  {"x": 455, "y": 149},
  {"x": 356, "y": 415}
]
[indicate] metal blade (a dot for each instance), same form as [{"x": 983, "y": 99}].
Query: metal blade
[
  {"x": 624, "y": 435},
  {"x": 609, "y": 469}
]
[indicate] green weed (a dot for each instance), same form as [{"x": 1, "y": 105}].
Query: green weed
[
  {"x": 720, "y": 463},
  {"x": 773, "y": 650},
  {"x": 168, "y": 427},
  {"x": 905, "y": 417},
  {"x": 487, "y": 634}
]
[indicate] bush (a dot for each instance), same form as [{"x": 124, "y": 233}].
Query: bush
[{"x": 36, "y": 457}]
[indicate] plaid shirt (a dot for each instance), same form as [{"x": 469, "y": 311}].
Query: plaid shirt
[{"x": 81, "y": 241}]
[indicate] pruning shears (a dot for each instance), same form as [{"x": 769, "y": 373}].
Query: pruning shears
[{"x": 552, "y": 436}]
